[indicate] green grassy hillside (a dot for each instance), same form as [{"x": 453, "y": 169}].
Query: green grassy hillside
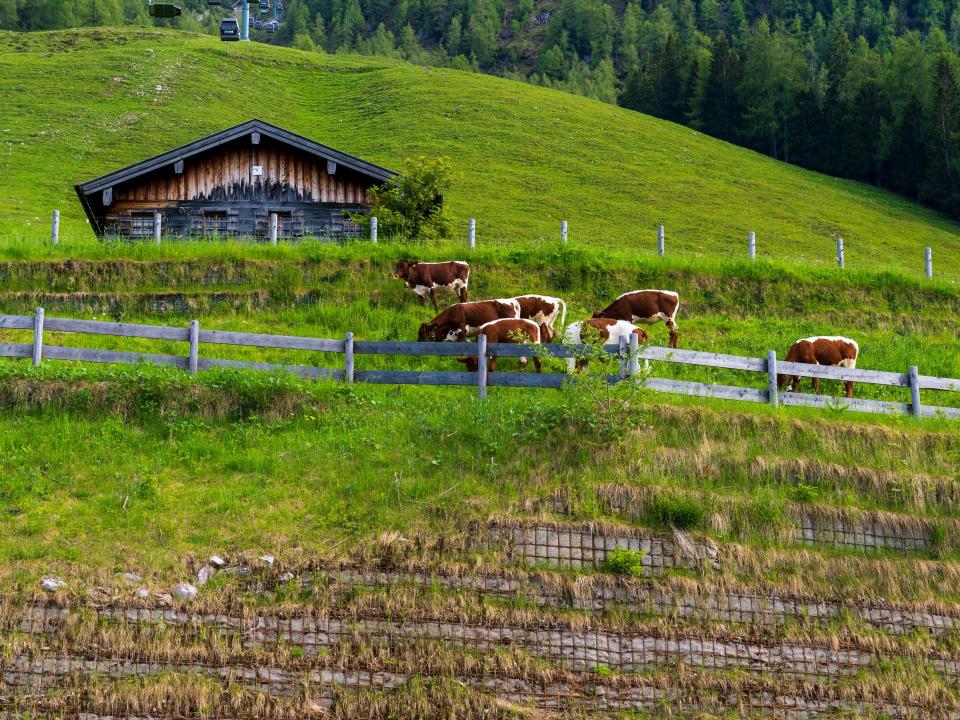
[{"x": 80, "y": 103}]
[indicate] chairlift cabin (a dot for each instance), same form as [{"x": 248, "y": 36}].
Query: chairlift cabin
[
  {"x": 272, "y": 26},
  {"x": 229, "y": 29},
  {"x": 264, "y": 4},
  {"x": 163, "y": 10},
  {"x": 229, "y": 184}
]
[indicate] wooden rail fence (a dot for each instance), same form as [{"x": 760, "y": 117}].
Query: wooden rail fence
[{"x": 630, "y": 356}]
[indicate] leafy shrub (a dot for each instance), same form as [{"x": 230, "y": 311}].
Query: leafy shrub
[
  {"x": 805, "y": 493},
  {"x": 623, "y": 561},
  {"x": 410, "y": 205}
]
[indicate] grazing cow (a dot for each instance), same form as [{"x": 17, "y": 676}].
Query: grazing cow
[
  {"x": 460, "y": 321},
  {"x": 508, "y": 330},
  {"x": 426, "y": 278},
  {"x": 835, "y": 351},
  {"x": 543, "y": 310},
  {"x": 609, "y": 331},
  {"x": 646, "y": 306}
]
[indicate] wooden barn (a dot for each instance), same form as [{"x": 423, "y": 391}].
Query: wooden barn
[{"x": 229, "y": 184}]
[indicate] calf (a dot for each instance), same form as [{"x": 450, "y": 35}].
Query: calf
[
  {"x": 835, "y": 351},
  {"x": 460, "y": 321},
  {"x": 543, "y": 310},
  {"x": 609, "y": 331},
  {"x": 509, "y": 330},
  {"x": 646, "y": 306},
  {"x": 426, "y": 278}
]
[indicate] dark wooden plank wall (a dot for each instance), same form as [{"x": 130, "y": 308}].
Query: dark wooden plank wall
[
  {"x": 221, "y": 180},
  {"x": 226, "y": 174}
]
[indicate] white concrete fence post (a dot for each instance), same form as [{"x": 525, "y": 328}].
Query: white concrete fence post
[
  {"x": 373, "y": 229},
  {"x": 472, "y": 233},
  {"x": 55, "y": 228},
  {"x": 157, "y": 227},
  {"x": 840, "y": 253},
  {"x": 274, "y": 224},
  {"x": 752, "y": 243},
  {"x": 634, "y": 355},
  {"x": 38, "y": 336},
  {"x": 563, "y": 231},
  {"x": 928, "y": 262},
  {"x": 660, "y": 241}
]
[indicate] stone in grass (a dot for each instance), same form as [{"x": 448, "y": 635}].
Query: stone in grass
[
  {"x": 217, "y": 561},
  {"x": 206, "y": 572},
  {"x": 52, "y": 583},
  {"x": 268, "y": 560},
  {"x": 185, "y": 591},
  {"x": 142, "y": 593},
  {"x": 131, "y": 578}
]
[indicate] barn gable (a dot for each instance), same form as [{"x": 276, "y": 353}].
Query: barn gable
[{"x": 229, "y": 183}]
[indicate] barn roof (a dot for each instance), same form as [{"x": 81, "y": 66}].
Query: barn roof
[{"x": 228, "y": 135}]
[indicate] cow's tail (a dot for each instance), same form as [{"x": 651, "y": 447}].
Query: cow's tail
[{"x": 563, "y": 313}]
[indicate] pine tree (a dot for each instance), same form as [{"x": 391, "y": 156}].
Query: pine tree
[
  {"x": 941, "y": 183},
  {"x": 719, "y": 109}
]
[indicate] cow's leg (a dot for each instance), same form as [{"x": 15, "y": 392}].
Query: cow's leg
[
  {"x": 816, "y": 385},
  {"x": 523, "y": 364},
  {"x": 849, "y": 389},
  {"x": 463, "y": 293},
  {"x": 433, "y": 298},
  {"x": 536, "y": 363},
  {"x": 421, "y": 299},
  {"x": 492, "y": 365}
]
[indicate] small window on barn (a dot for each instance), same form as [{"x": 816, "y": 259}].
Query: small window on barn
[
  {"x": 141, "y": 224},
  {"x": 214, "y": 223}
]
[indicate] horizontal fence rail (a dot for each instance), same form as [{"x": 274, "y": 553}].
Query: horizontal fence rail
[{"x": 629, "y": 355}]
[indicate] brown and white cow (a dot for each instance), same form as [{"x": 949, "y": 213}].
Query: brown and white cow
[
  {"x": 460, "y": 321},
  {"x": 426, "y": 278},
  {"x": 607, "y": 330},
  {"x": 648, "y": 307},
  {"x": 821, "y": 350},
  {"x": 508, "y": 330},
  {"x": 543, "y": 310}
]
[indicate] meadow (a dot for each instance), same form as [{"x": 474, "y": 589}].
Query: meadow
[{"x": 84, "y": 102}]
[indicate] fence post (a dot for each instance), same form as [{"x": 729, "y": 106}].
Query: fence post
[
  {"x": 38, "y": 336},
  {"x": 660, "y": 243},
  {"x": 915, "y": 391},
  {"x": 752, "y": 241},
  {"x": 373, "y": 229},
  {"x": 563, "y": 231},
  {"x": 928, "y": 262},
  {"x": 274, "y": 221},
  {"x": 55, "y": 228},
  {"x": 840, "y": 252},
  {"x": 773, "y": 392},
  {"x": 482, "y": 365},
  {"x": 624, "y": 359},
  {"x": 194, "y": 346},
  {"x": 634, "y": 355},
  {"x": 472, "y": 233},
  {"x": 157, "y": 227},
  {"x": 348, "y": 358}
]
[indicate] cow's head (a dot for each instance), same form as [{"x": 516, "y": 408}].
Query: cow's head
[
  {"x": 642, "y": 336},
  {"x": 546, "y": 334},
  {"x": 425, "y": 333},
  {"x": 403, "y": 269},
  {"x": 470, "y": 362},
  {"x": 598, "y": 314}
]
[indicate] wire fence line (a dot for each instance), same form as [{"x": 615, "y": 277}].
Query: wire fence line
[{"x": 630, "y": 356}]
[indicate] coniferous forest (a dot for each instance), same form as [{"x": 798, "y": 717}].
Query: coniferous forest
[{"x": 863, "y": 89}]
